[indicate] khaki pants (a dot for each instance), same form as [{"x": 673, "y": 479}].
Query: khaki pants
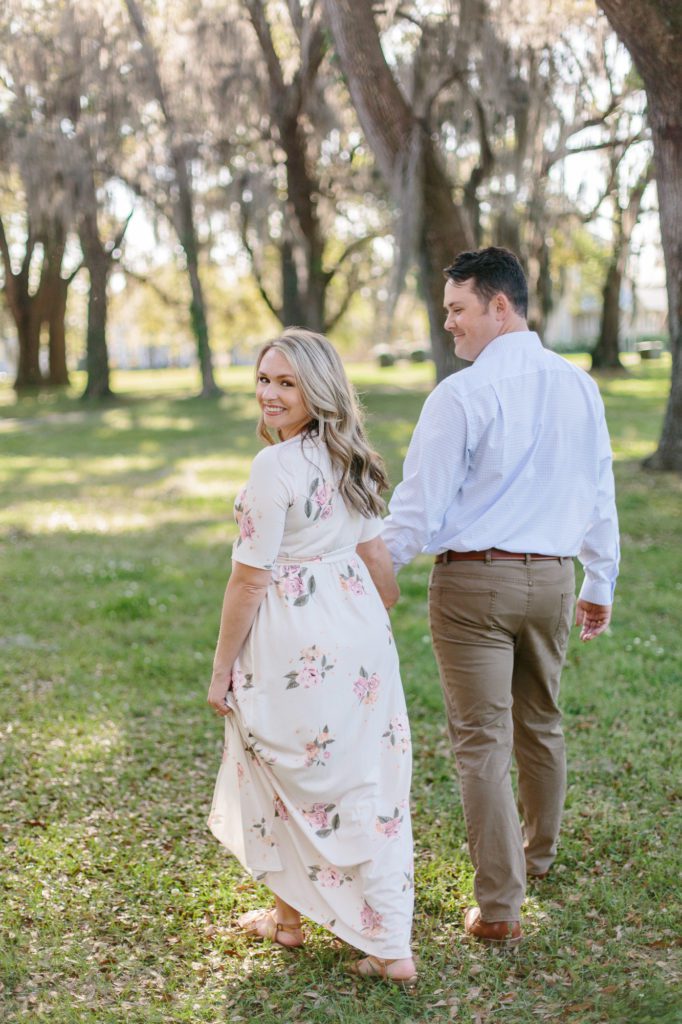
[{"x": 500, "y": 631}]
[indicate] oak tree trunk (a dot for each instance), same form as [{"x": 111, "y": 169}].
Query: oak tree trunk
[
  {"x": 28, "y": 319},
  {"x": 606, "y": 352},
  {"x": 652, "y": 32},
  {"x": 56, "y": 324},
  {"x": 188, "y": 240},
  {"x": 54, "y": 308},
  {"x": 291, "y": 312},
  {"x": 183, "y": 212},
  {"x": 304, "y": 282},
  {"x": 26, "y": 311},
  {"x": 392, "y": 131},
  {"x": 97, "y": 262}
]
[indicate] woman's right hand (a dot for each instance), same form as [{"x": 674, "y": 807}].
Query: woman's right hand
[{"x": 217, "y": 693}]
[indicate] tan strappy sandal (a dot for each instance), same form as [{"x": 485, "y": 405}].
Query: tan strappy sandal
[
  {"x": 377, "y": 967},
  {"x": 263, "y": 924}
]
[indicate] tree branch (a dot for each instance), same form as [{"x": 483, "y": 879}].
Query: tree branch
[
  {"x": 4, "y": 251},
  {"x": 592, "y": 147},
  {"x": 313, "y": 48},
  {"x": 351, "y": 288},
  {"x": 262, "y": 29},
  {"x": 142, "y": 279},
  {"x": 118, "y": 240},
  {"x": 74, "y": 273},
  {"x": 150, "y": 57},
  {"x": 255, "y": 268},
  {"x": 354, "y": 246},
  {"x": 562, "y": 150}
]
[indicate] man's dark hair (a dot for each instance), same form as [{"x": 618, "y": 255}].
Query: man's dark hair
[{"x": 492, "y": 270}]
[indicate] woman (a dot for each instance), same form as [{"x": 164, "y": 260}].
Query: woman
[{"x": 312, "y": 795}]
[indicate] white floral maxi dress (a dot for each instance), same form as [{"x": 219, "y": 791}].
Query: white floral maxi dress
[{"x": 312, "y": 796}]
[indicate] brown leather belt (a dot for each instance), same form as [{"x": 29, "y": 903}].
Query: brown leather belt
[{"x": 491, "y": 553}]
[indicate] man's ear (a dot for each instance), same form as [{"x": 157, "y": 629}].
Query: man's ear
[{"x": 501, "y": 306}]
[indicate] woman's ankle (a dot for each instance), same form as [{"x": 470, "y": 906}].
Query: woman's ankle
[{"x": 286, "y": 915}]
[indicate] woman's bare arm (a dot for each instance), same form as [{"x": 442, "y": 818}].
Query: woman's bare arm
[{"x": 244, "y": 593}]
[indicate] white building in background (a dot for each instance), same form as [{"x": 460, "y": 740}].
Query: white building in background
[
  {"x": 575, "y": 320},
  {"x": 127, "y": 352}
]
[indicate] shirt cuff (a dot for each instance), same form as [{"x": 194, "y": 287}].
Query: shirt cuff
[{"x": 597, "y": 591}]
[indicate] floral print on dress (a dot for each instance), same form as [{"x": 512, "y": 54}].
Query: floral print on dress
[
  {"x": 320, "y": 817},
  {"x": 291, "y": 584},
  {"x": 372, "y": 922},
  {"x": 328, "y": 877},
  {"x": 318, "y": 504},
  {"x": 244, "y": 518},
  {"x": 241, "y": 680},
  {"x": 313, "y": 671},
  {"x": 261, "y": 830},
  {"x": 366, "y": 687},
  {"x": 398, "y": 733},
  {"x": 257, "y": 752},
  {"x": 352, "y": 580},
  {"x": 389, "y": 825},
  {"x": 280, "y": 809},
  {"x": 309, "y": 795},
  {"x": 316, "y": 753}
]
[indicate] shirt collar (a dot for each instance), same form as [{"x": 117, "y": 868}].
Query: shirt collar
[{"x": 519, "y": 339}]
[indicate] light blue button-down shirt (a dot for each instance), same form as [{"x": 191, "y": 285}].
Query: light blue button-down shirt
[{"x": 513, "y": 453}]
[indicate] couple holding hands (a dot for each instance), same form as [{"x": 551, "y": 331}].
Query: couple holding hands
[{"x": 507, "y": 478}]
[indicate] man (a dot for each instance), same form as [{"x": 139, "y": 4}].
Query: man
[{"x": 508, "y": 476}]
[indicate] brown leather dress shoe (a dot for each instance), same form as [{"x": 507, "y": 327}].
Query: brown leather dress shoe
[{"x": 494, "y": 933}]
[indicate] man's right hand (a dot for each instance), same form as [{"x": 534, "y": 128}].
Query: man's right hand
[{"x": 594, "y": 618}]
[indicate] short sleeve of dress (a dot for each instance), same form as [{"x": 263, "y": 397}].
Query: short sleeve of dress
[
  {"x": 260, "y": 511},
  {"x": 371, "y": 528}
]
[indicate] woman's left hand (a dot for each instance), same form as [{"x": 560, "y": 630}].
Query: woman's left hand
[{"x": 217, "y": 694}]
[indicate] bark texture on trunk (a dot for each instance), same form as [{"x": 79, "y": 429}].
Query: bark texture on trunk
[
  {"x": 183, "y": 213},
  {"x": 291, "y": 311},
  {"x": 606, "y": 355},
  {"x": 652, "y": 32},
  {"x": 97, "y": 262},
  {"x": 304, "y": 283},
  {"x": 56, "y": 290},
  {"x": 56, "y": 324},
  {"x": 187, "y": 235},
  {"x": 396, "y": 137},
  {"x": 26, "y": 309},
  {"x": 29, "y": 374}
]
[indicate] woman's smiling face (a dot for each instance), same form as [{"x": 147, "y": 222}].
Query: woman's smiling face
[{"x": 279, "y": 395}]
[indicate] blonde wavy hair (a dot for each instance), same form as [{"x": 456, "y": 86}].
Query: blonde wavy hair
[{"x": 335, "y": 416}]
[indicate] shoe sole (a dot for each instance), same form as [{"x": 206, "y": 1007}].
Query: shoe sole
[{"x": 497, "y": 943}]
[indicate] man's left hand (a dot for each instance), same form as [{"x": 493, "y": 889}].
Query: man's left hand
[{"x": 594, "y": 618}]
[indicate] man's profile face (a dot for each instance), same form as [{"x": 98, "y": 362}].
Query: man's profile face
[{"x": 471, "y": 322}]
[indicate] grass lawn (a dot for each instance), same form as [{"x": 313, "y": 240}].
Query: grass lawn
[{"x": 117, "y": 904}]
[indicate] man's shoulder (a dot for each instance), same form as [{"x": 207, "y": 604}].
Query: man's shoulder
[
  {"x": 481, "y": 378},
  {"x": 462, "y": 382},
  {"x": 473, "y": 384},
  {"x": 453, "y": 391},
  {"x": 558, "y": 363}
]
